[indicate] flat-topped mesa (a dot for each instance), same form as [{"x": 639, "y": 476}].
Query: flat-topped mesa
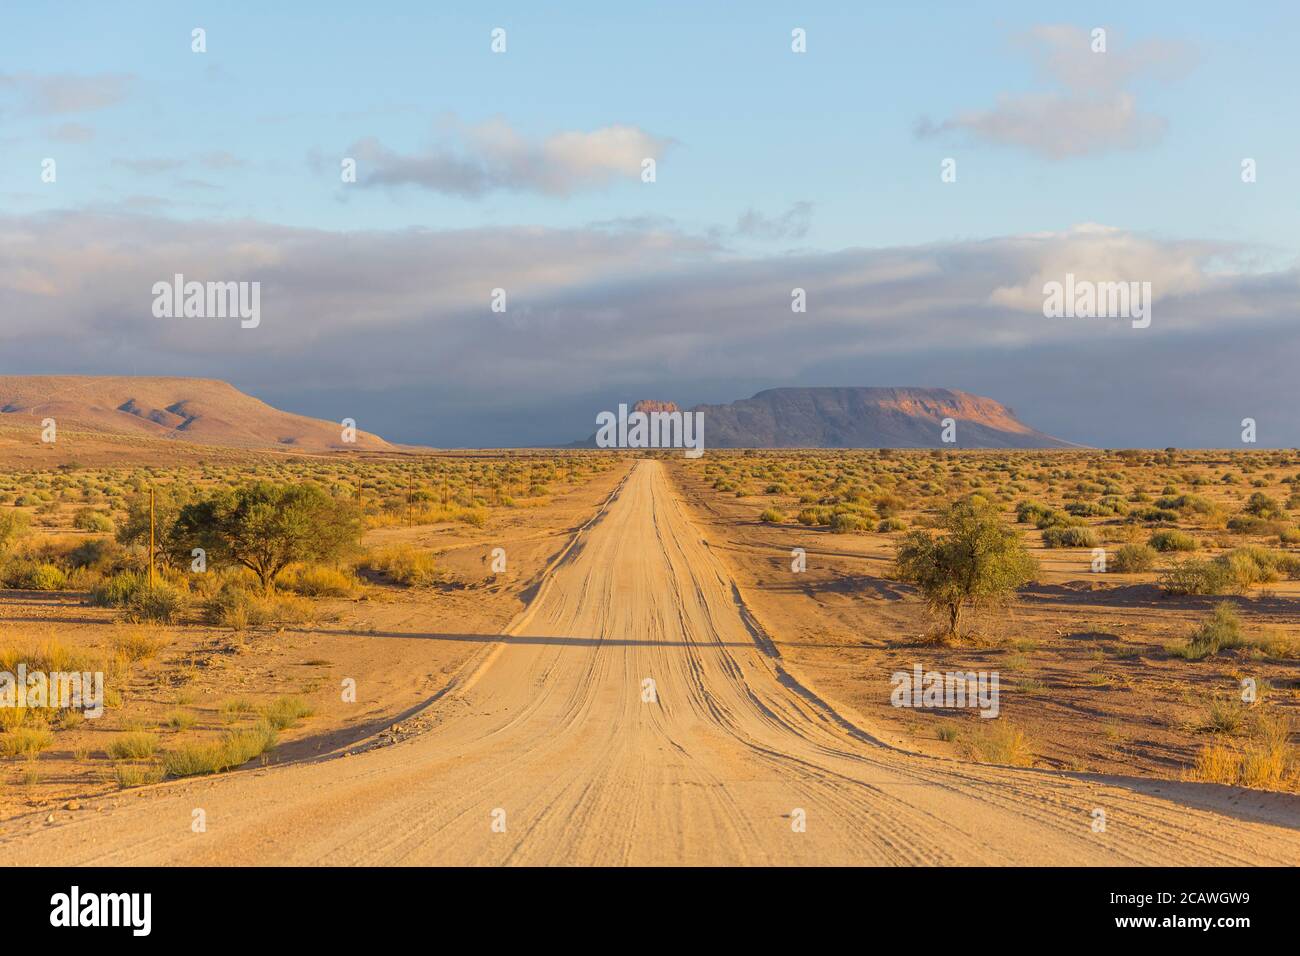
[
  {"x": 862, "y": 417},
  {"x": 867, "y": 417}
]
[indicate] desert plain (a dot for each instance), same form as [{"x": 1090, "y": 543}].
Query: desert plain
[{"x": 575, "y": 656}]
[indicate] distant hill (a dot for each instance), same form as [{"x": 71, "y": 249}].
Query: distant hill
[
  {"x": 864, "y": 418},
  {"x": 200, "y": 410}
]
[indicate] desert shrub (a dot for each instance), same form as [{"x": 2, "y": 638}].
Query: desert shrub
[
  {"x": 1195, "y": 577},
  {"x": 162, "y": 603},
  {"x": 772, "y": 516},
  {"x": 1070, "y": 537},
  {"x": 138, "y": 645},
  {"x": 888, "y": 525},
  {"x": 118, "y": 589},
  {"x": 13, "y": 527},
  {"x": 284, "y": 712},
  {"x": 137, "y": 774},
  {"x": 1001, "y": 742},
  {"x": 319, "y": 582},
  {"x": 1254, "y": 565},
  {"x": 1113, "y": 505},
  {"x": 25, "y": 741},
  {"x": 814, "y": 516},
  {"x": 1170, "y": 540},
  {"x": 1153, "y": 515},
  {"x": 1262, "y": 506},
  {"x": 1187, "y": 503},
  {"x": 1265, "y": 760},
  {"x": 236, "y": 747},
  {"x": 403, "y": 565},
  {"x": 1031, "y": 511},
  {"x": 28, "y": 574},
  {"x": 889, "y": 506},
  {"x": 88, "y": 519},
  {"x": 1133, "y": 559},
  {"x": 98, "y": 553},
  {"x": 180, "y": 719},
  {"x": 1249, "y": 524},
  {"x": 1221, "y": 632},
  {"x": 239, "y": 607},
  {"x": 130, "y": 590},
  {"x": 846, "y": 522},
  {"x": 135, "y": 745},
  {"x": 1056, "y": 519}
]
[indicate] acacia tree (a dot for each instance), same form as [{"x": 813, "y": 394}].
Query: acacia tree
[
  {"x": 168, "y": 502},
  {"x": 13, "y": 526},
  {"x": 977, "y": 561},
  {"x": 267, "y": 527}
]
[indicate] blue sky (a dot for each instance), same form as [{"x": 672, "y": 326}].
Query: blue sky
[{"x": 763, "y": 155}]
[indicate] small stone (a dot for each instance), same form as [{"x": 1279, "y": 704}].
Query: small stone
[
  {"x": 72, "y": 805},
  {"x": 50, "y": 818}
]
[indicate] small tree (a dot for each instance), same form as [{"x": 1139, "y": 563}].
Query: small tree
[
  {"x": 978, "y": 561},
  {"x": 168, "y": 502},
  {"x": 13, "y": 526},
  {"x": 267, "y": 527}
]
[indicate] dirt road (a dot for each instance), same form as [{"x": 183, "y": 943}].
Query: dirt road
[{"x": 546, "y": 751}]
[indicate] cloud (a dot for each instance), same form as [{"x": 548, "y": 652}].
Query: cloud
[
  {"x": 150, "y": 165},
  {"x": 792, "y": 224},
  {"x": 220, "y": 159},
  {"x": 653, "y": 311},
  {"x": 473, "y": 160},
  {"x": 71, "y": 133},
  {"x": 1091, "y": 108},
  {"x": 67, "y": 93}
]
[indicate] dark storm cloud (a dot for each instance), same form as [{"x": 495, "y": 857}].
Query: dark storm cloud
[{"x": 654, "y": 312}]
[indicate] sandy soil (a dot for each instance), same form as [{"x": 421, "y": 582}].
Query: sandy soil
[
  {"x": 546, "y": 749},
  {"x": 400, "y": 646},
  {"x": 1083, "y": 660}
]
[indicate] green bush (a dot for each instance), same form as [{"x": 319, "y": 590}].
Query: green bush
[
  {"x": 1170, "y": 540},
  {"x": 88, "y": 519},
  {"x": 1196, "y": 577},
  {"x": 846, "y": 522},
  {"x": 34, "y": 576},
  {"x": 13, "y": 526},
  {"x": 772, "y": 516},
  {"x": 1031, "y": 511},
  {"x": 1221, "y": 632},
  {"x": 814, "y": 516},
  {"x": 319, "y": 582},
  {"x": 118, "y": 589},
  {"x": 1262, "y": 506},
  {"x": 235, "y": 748},
  {"x": 977, "y": 561},
  {"x": 162, "y": 603},
  {"x": 237, "y": 606},
  {"x": 1133, "y": 559},
  {"x": 1069, "y": 537},
  {"x": 130, "y": 591}
]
